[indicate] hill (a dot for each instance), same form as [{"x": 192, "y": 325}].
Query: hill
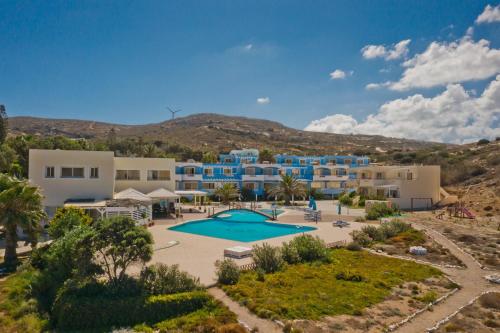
[{"x": 219, "y": 133}]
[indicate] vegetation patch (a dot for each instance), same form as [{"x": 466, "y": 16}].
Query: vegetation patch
[{"x": 349, "y": 283}]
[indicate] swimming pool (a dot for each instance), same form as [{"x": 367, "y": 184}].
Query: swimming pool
[
  {"x": 241, "y": 226},
  {"x": 270, "y": 211}
]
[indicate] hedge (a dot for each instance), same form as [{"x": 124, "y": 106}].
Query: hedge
[{"x": 100, "y": 312}]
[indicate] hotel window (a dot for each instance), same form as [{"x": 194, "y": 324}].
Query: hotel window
[
  {"x": 250, "y": 171},
  {"x": 228, "y": 171},
  {"x": 347, "y": 161},
  {"x": 302, "y": 162},
  {"x": 409, "y": 176},
  {"x": 296, "y": 172},
  {"x": 49, "y": 172},
  {"x": 127, "y": 175},
  {"x": 250, "y": 186},
  {"x": 158, "y": 174},
  {"x": 340, "y": 172},
  {"x": 71, "y": 172},
  {"x": 94, "y": 172},
  {"x": 208, "y": 172},
  {"x": 268, "y": 171},
  {"x": 288, "y": 161},
  {"x": 208, "y": 186},
  {"x": 332, "y": 161},
  {"x": 361, "y": 162},
  {"x": 379, "y": 175},
  {"x": 191, "y": 186},
  {"x": 228, "y": 160},
  {"x": 189, "y": 171}
]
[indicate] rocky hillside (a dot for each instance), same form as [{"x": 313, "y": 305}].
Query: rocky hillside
[{"x": 218, "y": 133}]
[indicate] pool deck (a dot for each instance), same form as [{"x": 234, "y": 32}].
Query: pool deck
[{"x": 197, "y": 254}]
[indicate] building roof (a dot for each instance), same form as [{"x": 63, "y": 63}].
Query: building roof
[
  {"x": 133, "y": 194},
  {"x": 162, "y": 193}
]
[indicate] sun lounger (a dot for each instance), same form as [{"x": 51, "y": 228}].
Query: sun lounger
[{"x": 238, "y": 252}]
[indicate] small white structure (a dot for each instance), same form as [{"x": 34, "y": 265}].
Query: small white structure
[
  {"x": 238, "y": 252},
  {"x": 418, "y": 250}
]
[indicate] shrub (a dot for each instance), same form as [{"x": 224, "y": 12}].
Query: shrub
[
  {"x": 393, "y": 228},
  {"x": 349, "y": 276},
  {"x": 353, "y": 246},
  {"x": 289, "y": 253},
  {"x": 483, "y": 142},
  {"x": 490, "y": 300},
  {"x": 73, "y": 312},
  {"x": 227, "y": 271},
  {"x": 428, "y": 297},
  {"x": 372, "y": 232},
  {"x": 267, "y": 258},
  {"x": 345, "y": 199},
  {"x": 360, "y": 218},
  {"x": 66, "y": 219},
  {"x": 378, "y": 210},
  {"x": 163, "y": 279},
  {"x": 361, "y": 238},
  {"x": 310, "y": 248}
]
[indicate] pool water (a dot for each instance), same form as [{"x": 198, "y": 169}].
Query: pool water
[{"x": 241, "y": 226}]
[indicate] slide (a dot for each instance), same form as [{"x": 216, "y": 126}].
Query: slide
[{"x": 468, "y": 213}]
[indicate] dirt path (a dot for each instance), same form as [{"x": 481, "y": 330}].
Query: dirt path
[
  {"x": 471, "y": 279},
  {"x": 244, "y": 315}
]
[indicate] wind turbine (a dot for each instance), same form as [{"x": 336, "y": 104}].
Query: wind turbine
[{"x": 173, "y": 112}]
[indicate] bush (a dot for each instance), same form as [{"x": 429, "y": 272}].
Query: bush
[
  {"x": 372, "y": 232},
  {"x": 163, "y": 279},
  {"x": 289, "y": 253},
  {"x": 267, "y": 258},
  {"x": 483, "y": 142},
  {"x": 310, "y": 248},
  {"x": 353, "y": 246},
  {"x": 227, "y": 271},
  {"x": 66, "y": 219},
  {"x": 378, "y": 210},
  {"x": 349, "y": 276},
  {"x": 393, "y": 228},
  {"x": 361, "y": 238},
  {"x": 345, "y": 199},
  {"x": 73, "y": 312}
]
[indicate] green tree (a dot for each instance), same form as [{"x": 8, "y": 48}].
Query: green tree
[
  {"x": 8, "y": 158},
  {"x": 209, "y": 157},
  {"x": 66, "y": 219},
  {"x": 227, "y": 192},
  {"x": 288, "y": 188},
  {"x": 150, "y": 150},
  {"x": 20, "y": 206},
  {"x": 3, "y": 124},
  {"x": 266, "y": 155},
  {"x": 119, "y": 243}
]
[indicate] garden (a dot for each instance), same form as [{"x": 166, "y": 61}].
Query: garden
[
  {"x": 396, "y": 237},
  {"x": 306, "y": 285},
  {"x": 81, "y": 282}
]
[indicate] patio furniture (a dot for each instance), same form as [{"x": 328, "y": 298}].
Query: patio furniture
[
  {"x": 238, "y": 252},
  {"x": 341, "y": 224}
]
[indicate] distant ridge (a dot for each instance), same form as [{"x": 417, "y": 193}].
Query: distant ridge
[{"x": 209, "y": 131}]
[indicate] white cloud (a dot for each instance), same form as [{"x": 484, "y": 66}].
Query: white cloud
[
  {"x": 489, "y": 15},
  {"x": 397, "y": 51},
  {"x": 374, "y": 86},
  {"x": 248, "y": 47},
  {"x": 337, "y": 74},
  {"x": 444, "y": 63},
  {"x": 263, "y": 100},
  {"x": 455, "y": 116}
]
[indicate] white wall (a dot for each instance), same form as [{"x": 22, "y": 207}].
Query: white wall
[
  {"x": 143, "y": 165},
  {"x": 57, "y": 190}
]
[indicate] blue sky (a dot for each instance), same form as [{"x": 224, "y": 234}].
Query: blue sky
[{"x": 125, "y": 61}]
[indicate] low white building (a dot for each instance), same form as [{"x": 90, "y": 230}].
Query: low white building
[{"x": 108, "y": 185}]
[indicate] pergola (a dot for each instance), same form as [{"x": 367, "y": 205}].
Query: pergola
[{"x": 194, "y": 194}]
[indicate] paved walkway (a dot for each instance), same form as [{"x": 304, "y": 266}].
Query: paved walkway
[
  {"x": 471, "y": 279},
  {"x": 244, "y": 315}
]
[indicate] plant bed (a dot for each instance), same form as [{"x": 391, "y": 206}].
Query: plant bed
[
  {"x": 396, "y": 238},
  {"x": 350, "y": 286}
]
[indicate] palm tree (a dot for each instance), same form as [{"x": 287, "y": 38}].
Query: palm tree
[
  {"x": 288, "y": 188},
  {"x": 20, "y": 206},
  {"x": 266, "y": 155},
  {"x": 227, "y": 192},
  {"x": 150, "y": 150}
]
